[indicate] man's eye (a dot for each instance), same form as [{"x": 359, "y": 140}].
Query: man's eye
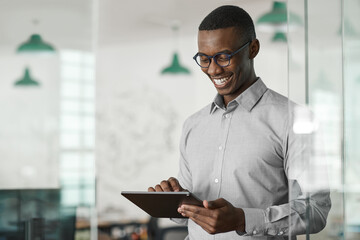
[
  {"x": 222, "y": 58},
  {"x": 204, "y": 59}
]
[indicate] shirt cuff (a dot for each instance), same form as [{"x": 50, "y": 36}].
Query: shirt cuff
[{"x": 254, "y": 222}]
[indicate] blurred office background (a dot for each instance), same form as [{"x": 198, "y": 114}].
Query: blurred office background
[{"x": 97, "y": 107}]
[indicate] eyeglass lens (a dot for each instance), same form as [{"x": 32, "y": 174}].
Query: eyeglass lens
[{"x": 222, "y": 60}]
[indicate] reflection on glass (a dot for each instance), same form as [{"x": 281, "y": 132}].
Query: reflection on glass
[
  {"x": 332, "y": 94},
  {"x": 351, "y": 48},
  {"x": 48, "y": 168}
]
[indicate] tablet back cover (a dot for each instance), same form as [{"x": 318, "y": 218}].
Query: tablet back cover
[{"x": 161, "y": 204}]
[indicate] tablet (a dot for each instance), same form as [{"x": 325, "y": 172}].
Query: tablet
[{"x": 162, "y": 204}]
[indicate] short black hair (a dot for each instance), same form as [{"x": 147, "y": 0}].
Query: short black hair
[{"x": 230, "y": 16}]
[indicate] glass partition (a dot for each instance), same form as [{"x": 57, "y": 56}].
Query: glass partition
[
  {"x": 323, "y": 76},
  {"x": 351, "y": 78},
  {"x": 47, "y": 127}
]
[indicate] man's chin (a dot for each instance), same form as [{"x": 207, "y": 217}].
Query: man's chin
[{"x": 222, "y": 92}]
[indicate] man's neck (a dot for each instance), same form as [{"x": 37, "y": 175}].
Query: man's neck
[{"x": 230, "y": 97}]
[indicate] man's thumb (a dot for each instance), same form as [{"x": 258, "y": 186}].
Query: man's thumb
[{"x": 218, "y": 203}]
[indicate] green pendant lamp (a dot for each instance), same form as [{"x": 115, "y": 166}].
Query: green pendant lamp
[
  {"x": 175, "y": 67},
  {"x": 279, "y": 37},
  {"x": 35, "y": 44},
  {"x": 277, "y": 19},
  {"x": 26, "y": 80}
]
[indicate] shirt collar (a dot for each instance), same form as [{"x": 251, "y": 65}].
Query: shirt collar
[
  {"x": 247, "y": 99},
  {"x": 217, "y": 103}
]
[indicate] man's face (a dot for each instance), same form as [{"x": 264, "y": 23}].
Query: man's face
[{"x": 232, "y": 80}]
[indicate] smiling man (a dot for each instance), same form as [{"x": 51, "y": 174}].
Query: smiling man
[
  {"x": 239, "y": 153},
  {"x": 229, "y": 67}
]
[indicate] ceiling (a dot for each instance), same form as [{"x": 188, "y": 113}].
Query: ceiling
[
  {"x": 81, "y": 24},
  {"x": 68, "y": 23},
  {"x": 134, "y": 20},
  {"x": 76, "y": 24}
]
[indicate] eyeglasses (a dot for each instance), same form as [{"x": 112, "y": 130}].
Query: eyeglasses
[{"x": 221, "y": 59}]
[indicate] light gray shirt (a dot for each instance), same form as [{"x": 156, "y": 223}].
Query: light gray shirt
[{"x": 244, "y": 153}]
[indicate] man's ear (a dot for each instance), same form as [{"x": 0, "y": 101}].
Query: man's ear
[{"x": 254, "y": 48}]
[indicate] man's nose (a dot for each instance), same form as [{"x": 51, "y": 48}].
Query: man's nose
[{"x": 214, "y": 68}]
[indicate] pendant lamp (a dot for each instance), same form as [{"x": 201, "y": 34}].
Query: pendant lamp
[
  {"x": 35, "y": 44},
  {"x": 26, "y": 80},
  {"x": 277, "y": 19},
  {"x": 175, "y": 67},
  {"x": 279, "y": 37}
]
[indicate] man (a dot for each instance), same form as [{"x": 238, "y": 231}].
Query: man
[{"x": 237, "y": 153}]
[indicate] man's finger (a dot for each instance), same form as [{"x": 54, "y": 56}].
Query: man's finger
[
  {"x": 218, "y": 203},
  {"x": 200, "y": 216},
  {"x": 158, "y": 188},
  {"x": 166, "y": 187},
  {"x": 174, "y": 183},
  {"x": 192, "y": 210},
  {"x": 151, "y": 189}
]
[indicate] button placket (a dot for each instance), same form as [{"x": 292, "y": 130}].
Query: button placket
[{"x": 225, "y": 125}]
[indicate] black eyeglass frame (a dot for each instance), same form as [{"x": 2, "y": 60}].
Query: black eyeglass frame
[{"x": 229, "y": 56}]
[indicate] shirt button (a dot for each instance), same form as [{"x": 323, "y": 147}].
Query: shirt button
[
  {"x": 220, "y": 148},
  {"x": 254, "y": 232},
  {"x": 216, "y": 180},
  {"x": 281, "y": 233}
]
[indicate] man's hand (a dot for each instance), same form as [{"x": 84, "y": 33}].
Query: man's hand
[
  {"x": 216, "y": 216},
  {"x": 170, "y": 185}
]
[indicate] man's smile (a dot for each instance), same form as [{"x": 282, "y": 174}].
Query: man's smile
[{"x": 220, "y": 82}]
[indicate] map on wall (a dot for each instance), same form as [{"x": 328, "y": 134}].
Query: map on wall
[
  {"x": 134, "y": 130},
  {"x": 134, "y": 143}
]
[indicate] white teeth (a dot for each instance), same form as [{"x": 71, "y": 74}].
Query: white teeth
[{"x": 220, "y": 81}]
